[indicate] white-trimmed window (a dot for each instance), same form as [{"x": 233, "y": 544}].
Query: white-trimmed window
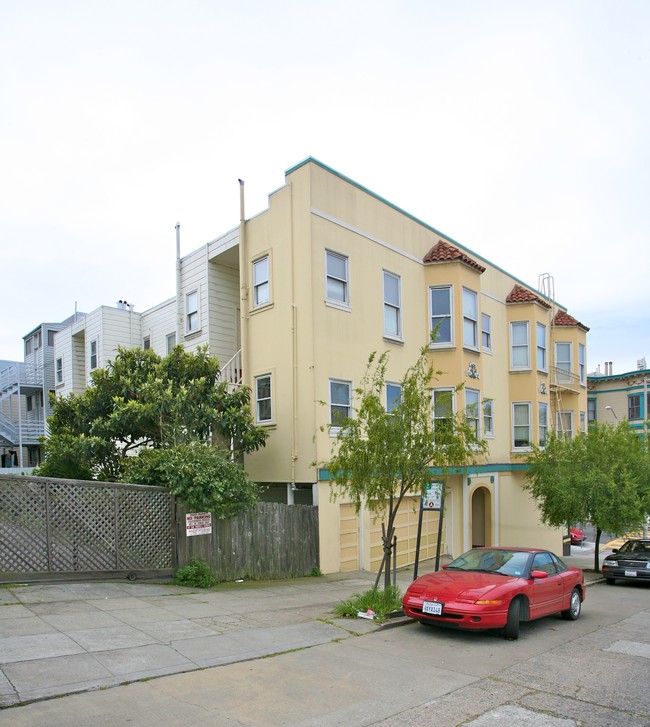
[
  {"x": 473, "y": 411},
  {"x": 486, "y": 332},
  {"x": 340, "y": 402},
  {"x": 583, "y": 422},
  {"x": 192, "y": 317},
  {"x": 542, "y": 364},
  {"x": 337, "y": 279},
  {"x": 261, "y": 282},
  {"x": 519, "y": 346},
  {"x": 28, "y": 346},
  {"x": 443, "y": 413},
  {"x": 393, "y": 396},
  {"x": 392, "y": 305},
  {"x": 441, "y": 314},
  {"x": 581, "y": 364},
  {"x": 470, "y": 319},
  {"x": 563, "y": 362},
  {"x": 50, "y": 338},
  {"x": 542, "y": 414},
  {"x": 263, "y": 401},
  {"x": 488, "y": 417},
  {"x": 93, "y": 355},
  {"x": 59, "y": 370},
  {"x": 591, "y": 411},
  {"x": 564, "y": 424},
  {"x": 146, "y": 343},
  {"x": 171, "y": 342},
  {"x": 521, "y": 434}
]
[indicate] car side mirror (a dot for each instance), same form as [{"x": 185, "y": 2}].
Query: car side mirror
[
  {"x": 614, "y": 550},
  {"x": 538, "y": 574},
  {"x": 444, "y": 566}
]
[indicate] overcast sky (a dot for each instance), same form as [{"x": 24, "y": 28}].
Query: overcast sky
[{"x": 521, "y": 129}]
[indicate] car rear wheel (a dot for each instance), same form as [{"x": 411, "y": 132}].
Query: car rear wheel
[
  {"x": 511, "y": 629},
  {"x": 575, "y": 606}
]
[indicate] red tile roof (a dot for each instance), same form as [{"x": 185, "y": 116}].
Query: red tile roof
[
  {"x": 520, "y": 294},
  {"x": 443, "y": 252},
  {"x": 562, "y": 318}
]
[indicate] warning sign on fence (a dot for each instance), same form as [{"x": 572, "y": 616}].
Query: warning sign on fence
[{"x": 198, "y": 523}]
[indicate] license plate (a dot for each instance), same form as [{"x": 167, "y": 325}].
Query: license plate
[
  {"x": 434, "y": 608},
  {"x": 630, "y": 573}
]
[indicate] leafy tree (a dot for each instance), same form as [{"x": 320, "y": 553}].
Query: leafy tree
[
  {"x": 602, "y": 477},
  {"x": 380, "y": 457},
  {"x": 141, "y": 401}
]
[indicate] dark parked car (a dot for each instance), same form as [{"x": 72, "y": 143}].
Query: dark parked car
[
  {"x": 496, "y": 588},
  {"x": 630, "y": 562}
]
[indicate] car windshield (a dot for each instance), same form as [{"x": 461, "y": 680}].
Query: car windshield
[
  {"x": 487, "y": 560},
  {"x": 635, "y": 546}
]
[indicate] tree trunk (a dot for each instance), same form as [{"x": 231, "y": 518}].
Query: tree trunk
[{"x": 597, "y": 550}]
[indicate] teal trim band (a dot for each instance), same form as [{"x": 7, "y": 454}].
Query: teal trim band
[
  {"x": 474, "y": 470},
  {"x": 311, "y": 160}
]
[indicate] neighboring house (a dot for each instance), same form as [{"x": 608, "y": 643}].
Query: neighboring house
[
  {"x": 614, "y": 398},
  {"x": 295, "y": 299}
]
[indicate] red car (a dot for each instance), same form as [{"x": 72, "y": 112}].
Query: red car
[
  {"x": 496, "y": 588},
  {"x": 577, "y": 536}
]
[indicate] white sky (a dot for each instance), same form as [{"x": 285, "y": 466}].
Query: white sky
[{"x": 519, "y": 128}]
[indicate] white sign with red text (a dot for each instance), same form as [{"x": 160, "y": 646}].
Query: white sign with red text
[{"x": 198, "y": 523}]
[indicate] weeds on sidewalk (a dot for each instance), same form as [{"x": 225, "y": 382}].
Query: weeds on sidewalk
[{"x": 381, "y": 603}]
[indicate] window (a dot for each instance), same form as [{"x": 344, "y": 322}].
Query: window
[
  {"x": 392, "y": 306},
  {"x": 146, "y": 343},
  {"x": 192, "y": 322},
  {"x": 50, "y": 338},
  {"x": 28, "y": 346},
  {"x": 583, "y": 422},
  {"x": 340, "y": 402},
  {"x": 521, "y": 425},
  {"x": 37, "y": 340},
  {"x": 393, "y": 396},
  {"x": 488, "y": 418},
  {"x": 542, "y": 412},
  {"x": 440, "y": 302},
  {"x": 93, "y": 355},
  {"x": 59, "y": 371},
  {"x": 591, "y": 410},
  {"x": 470, "y": 318},
  {"x": 171, "y": 342},
  {"x": 544, "y": 562},
  {"x": 30, "y": 403},
  {"x": 634, "y": 406},
  {"x": 263, "y": 408},
  {"x": 486, "y": 332},
  {"x": 337, "y": 279},
  {"x": 519, "y": 354},
  {"x": 443, "y": 414},
  {"x": 581, "y": 363},
  {"x": 563, "y": 362},
  {"x": 261, "y": 285},
  {"x": 541, "y": 347},
  {"x": 473, "y": 411},
  {"x": 564, "y": 424}
]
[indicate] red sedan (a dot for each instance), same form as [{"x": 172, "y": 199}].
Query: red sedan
[{"x": 496, "y": 588}]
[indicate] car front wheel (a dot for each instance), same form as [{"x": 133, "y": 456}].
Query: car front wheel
[
  {"x": 511, "y": 629},
  {"x": 575, "y": 606}
]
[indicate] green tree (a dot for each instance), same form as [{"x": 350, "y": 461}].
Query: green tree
[
  {"x": 142, "y": 401},
  {"x": 379, "y": 457},
  {"x": 601, "y": 477}
]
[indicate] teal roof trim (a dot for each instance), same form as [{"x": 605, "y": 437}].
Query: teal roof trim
[
  {"x": 320, "y": 164},
  {"x": 474, "y": 470}
]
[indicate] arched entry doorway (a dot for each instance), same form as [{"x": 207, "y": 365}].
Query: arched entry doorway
[{"x": 481, "y": 517}]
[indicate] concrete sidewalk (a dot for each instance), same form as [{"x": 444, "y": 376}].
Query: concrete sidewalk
[{"x": 63, "y": 638}]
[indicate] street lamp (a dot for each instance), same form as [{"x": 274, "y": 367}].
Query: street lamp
[{"x": 613, "y": 412}]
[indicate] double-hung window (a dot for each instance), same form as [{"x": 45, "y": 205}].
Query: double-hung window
[
  {"x": 192, "y": 319},
  {"x": 440, "y": 308},
  {"x": 473, "y": 411},
  {"x": 337, "y": 281},
  {"x": 393, "y": 396},
  {"x": 93, "y": 355},
  {"x": 340, "y": 402},
  {"x": 542, "y": 413},
  {"x": 521, "y": 425},
  {"x": 59, "y": 371},
  {"x": 563, "y": 362},
  {"x": 146, "y": 343},
  {"x": 392, "y": 306},
  {"x": 470, "y": 319},
  {"x": 443, "y": 414},
  {"x": 581, "y": 364},
  {"x": 486, "y": 332},
  {"x": 591, "y": 411},
  {"x": 519, "y": 347},
  {"x": 634, "y": 406},
  {"x": 263, "y": 402},
  {"x": 488, "y": 417},
  {"x": 564, "y": 424},
  {"x": 583, "y": 422},
  {"x": 50, "y": 338},
  {"x": 542, "y": 364},
  {"x": 261, "y": 284},
  {"x": 171, "y": 342}
]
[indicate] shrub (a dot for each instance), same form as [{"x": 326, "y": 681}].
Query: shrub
[
  {"x": 197, "y": 575},
  {"x": 381, "y": 602}
]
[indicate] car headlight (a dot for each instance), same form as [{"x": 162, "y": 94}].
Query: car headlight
[{"x": 610, "y": 563}]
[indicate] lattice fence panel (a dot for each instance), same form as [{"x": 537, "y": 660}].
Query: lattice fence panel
[
  {"x": 23, "y": 527},
  {"x": 145, "y": 530}
]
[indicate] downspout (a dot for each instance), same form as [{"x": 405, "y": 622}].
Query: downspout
[
  {"x": 243, "y": 282},
  {"x": 179, "y": 302},
  {"x": 294, "y": 349},
  {"x": 20, "y": 428}
]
